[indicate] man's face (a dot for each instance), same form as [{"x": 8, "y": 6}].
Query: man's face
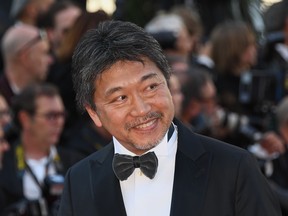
[
  {"x": 177, "y": 95},
  {"x": 64, "y": 20},
  {"x": 39, "y": 60},
  {"x": 134, "y": 104},
  {"x": 47, "y": 123},
  {"x": 208, "y": 100}
]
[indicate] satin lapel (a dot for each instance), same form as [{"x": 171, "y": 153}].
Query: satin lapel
[
  {"x": 106, "y": 187},
  {"x": 191, "y": 175}
]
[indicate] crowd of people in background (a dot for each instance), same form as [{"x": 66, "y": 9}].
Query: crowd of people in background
[{"x": 230, "y": 84}]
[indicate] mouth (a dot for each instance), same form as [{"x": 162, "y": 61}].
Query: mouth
[{"x": 146, "y": 125}]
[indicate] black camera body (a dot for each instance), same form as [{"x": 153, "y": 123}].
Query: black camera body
[{"x": 47, "y": 205}]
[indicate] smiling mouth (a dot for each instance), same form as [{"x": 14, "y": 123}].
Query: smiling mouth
[{"x": 146, "y": 125}]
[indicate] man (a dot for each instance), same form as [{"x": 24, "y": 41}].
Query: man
[
  {"x": 275, "y": 58},
  {"x": 34, "y": 160},
  {"x": 176, "y": 93},
  {"x": 278, "y": 172},
  {"x": 57, "y": 21},
  {"x": 120, "y": 76},
  {"x": 26, "y": 59},
  {"x": 199, "y": 104}
]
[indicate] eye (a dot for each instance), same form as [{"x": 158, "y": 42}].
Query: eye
[
  {"x": 153, "y": 86},
  {"x": 121, "y": 98}
]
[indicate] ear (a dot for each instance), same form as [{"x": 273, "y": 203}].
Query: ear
[{"x": 94, "y": 116}]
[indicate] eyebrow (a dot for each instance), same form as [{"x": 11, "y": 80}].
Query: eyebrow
[{"x": 143, "y": 78}]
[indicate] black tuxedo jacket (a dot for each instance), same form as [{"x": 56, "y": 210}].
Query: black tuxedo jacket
[{"x": 211, "y": 178}]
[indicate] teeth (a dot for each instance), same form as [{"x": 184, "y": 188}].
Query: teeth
[{"x": 146, "y": 125}]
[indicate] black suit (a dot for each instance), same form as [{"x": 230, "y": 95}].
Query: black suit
[{"x": 211, "y": 178}]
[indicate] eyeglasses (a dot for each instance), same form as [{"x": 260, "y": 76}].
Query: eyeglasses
[
  {"x": 53, "y": 116},
  {"x": 42, "y": 35}
]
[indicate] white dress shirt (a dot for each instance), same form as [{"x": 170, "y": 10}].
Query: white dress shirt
[
  {"x": 143, "y": 196},
  {"x": 31, "y": 189}
]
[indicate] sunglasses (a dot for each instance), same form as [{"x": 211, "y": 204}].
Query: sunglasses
[{"x": 42, "y": 35}]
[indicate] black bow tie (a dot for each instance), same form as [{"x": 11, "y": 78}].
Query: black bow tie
[{"x": 124, "y": 165}]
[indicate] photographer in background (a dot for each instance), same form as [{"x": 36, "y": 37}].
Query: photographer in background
[
  {"x": 171, "y": 32},
  {"x": 33, "y": 169},
  {"x": 275, "y": 165}
]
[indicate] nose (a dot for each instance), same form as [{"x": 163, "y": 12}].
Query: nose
[{"x": 140, "y": 106}]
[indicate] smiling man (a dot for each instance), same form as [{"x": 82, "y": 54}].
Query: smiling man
[{"x": 154, "y": 164}]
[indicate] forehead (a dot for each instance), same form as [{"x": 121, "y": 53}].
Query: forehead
[
  {"x": 126, "y": 70},
  {"x": 67, "y": 16},
  {"x": 49, "y": 103}
]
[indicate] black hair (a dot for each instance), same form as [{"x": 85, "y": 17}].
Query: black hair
[{"x": 111, "y": 42}]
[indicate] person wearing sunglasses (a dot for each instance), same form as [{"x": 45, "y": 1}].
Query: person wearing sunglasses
[{"x": 39, "y": 116}]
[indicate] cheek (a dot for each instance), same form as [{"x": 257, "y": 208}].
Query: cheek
[
  {"x": 112, "y": 116},
  {"x": 164, "y": 103}
]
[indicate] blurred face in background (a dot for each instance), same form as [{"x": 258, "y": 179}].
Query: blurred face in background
[
  {"x": 208, "y": 100},
  {"x": 46, "y": 124},
  {"x": 5, "y": 114},
  {"x": 177, "y": 96},
  {"x": 184, "y": 42},
  {"x": 249, "y": 57},
  {"x": 64, "y": 20},
  {"x": 39, "y": 60}
]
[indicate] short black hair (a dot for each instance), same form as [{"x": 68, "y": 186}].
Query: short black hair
[
  {"x": 26, "y": 100},
  {"x": 193, "y": 87},
  {"x": 110, "y": 42}
]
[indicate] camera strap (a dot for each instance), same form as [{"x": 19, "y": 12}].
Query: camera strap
[{"x": 29, "y": 170}]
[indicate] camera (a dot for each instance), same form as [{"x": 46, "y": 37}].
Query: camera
[
  {"x": 53, "y": 188},
  {"x": 257, "y": 91},
  {"x": 53, "y": 185},
  {"x": 243, "y": 130},
  {"x": 47, "y": 205}
]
